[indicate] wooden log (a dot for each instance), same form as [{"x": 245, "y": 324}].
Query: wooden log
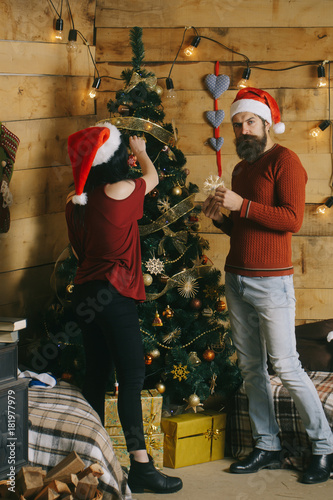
[
  {"x": 86, "y": 488},
  {"x": 29, "y": 481},
  {"x": 59, "y": 486},
  {"x": 227, "y": 13},
  {"x": 94, "y": 469},
  {"x": 71, "y": 481},
  {"x": 72, "y": 464},
  {"x": 47, "y": 494},
  {"x": 162, "y": 45}
]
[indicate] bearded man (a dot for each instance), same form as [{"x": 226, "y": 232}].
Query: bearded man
[{"x": 266, "y": 206}]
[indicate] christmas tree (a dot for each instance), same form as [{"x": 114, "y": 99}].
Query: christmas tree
[{"x": 184, "y": 320}]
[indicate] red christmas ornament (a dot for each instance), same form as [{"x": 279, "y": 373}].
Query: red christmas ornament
[
  {"x": 148, "y": 359},
  {"x": 67, "y": 376},
  {"x": 208, "y": 355},
  {"x": 204, "y": 259},
  {"x": 196, "y": 303},
  {"x": 132, "y": 161},
  {"x": 220, "y": 305},
  {"x": 153, "y": 193}
]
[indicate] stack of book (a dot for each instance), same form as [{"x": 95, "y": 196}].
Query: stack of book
[{"x": 9, "y": 329}]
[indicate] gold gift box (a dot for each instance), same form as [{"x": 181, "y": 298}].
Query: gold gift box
[
  {"x": 151, "y": 402},
  {"x": 154, "y": 445},
  {"x": 193, "y": 438}
]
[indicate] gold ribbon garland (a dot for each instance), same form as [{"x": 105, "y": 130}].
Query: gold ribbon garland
[
  {"x": 142, "y": 125},
  {"x": 198, "y": 272},
  {"x": 170, "y": 216}
]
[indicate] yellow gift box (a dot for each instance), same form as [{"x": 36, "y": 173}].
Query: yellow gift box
[
  {"x": 193, "y": 438},
  {"x": 154, "y": 445},
  {"x": 151, "y": 402}
]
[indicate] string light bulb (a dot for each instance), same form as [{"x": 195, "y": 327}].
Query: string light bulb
[
  {"x": 322, "y": 80},
  {"x": 171, "y": 94},
  {"x": 244, "y": 81},
  {"x": 314, "y": 132},
  {"x": 59, "y": 26},
  {"x": 72, "y": 37},
  {"x": 191, "y": 49},
  {"x": 323, "y": 208},
  {"x": 94, "y": 88}
]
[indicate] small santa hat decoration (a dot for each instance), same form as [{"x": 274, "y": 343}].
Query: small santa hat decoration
[
  {"x": 90, "y": 147},
  {"x": 260, "y": 103}
]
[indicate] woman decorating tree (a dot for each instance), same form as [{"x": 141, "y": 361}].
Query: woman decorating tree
[{"x": 102, "y": 218}]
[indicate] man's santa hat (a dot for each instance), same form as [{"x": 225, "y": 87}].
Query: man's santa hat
[
  {"x": 260, "y": 103},
  {"x": 88, "y": 148}
]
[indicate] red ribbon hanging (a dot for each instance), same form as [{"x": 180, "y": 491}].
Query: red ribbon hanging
[{"x": 217, "y": 130}]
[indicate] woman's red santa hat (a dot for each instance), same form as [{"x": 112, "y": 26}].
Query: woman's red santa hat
[
  {"x": 88, "y": 148},
  {"x": 260, "y": 103}
]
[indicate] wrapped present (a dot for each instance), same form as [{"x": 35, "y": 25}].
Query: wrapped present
[
  {"x": 151, "y": 401},
  {"x": 154, "y": 445},
  {"x": 193, "y": 438}
]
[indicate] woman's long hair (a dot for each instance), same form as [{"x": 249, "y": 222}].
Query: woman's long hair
[{"x": 114, "y": 170}]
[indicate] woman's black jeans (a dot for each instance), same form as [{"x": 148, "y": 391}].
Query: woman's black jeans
[{"x": 112, "y": 340}]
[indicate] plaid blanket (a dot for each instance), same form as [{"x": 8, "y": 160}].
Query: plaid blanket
[
  {"x": 294, "y": 439},
  {"x": 60, "y": 421}
]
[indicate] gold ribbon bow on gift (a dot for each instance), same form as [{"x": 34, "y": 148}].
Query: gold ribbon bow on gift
[{"x": 150, "y": 81}]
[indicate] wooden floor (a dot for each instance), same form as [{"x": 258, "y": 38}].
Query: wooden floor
[{"x": 212, "y": 481}]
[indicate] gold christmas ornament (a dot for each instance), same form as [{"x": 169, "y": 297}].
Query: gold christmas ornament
[
  {"x": 157, "y": 320},
  {"x": 174, "y": 335},
  {"x": 177, "y": 191},
  {"x": 168, "y": 312},
  {"x": 194, "y": 359},
  {"x": 147, "y": 279},
  {"x": 70, "y": 288},
  {"x": 155, "y": 266},
  {"x": 193, "y": 402},
  {"x": 207, "y": 312},
  {"x": 213, "y": 384},
  {"x": 155, "y": 353},
  {"x": 160, "y": 387},
  {"x": 159, "y": 90}
]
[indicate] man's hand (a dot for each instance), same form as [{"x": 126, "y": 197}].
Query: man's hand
[
  {"x": 212, "y": 209},
  {"x": 228, "y": 199}
]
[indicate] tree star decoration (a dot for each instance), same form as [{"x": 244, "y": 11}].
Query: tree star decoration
[
  {"x": 211, "y": 184},
  {"x": 187, "y": 286},
  {"x": 193, "y": 402},
  {"x": 163, "y": 204},
  {"x": 179, "y": 371},
  {"x": 155, "y": 266}
]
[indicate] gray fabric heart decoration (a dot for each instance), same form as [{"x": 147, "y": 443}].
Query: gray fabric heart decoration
[
  {"x": 217, "y": 84},
  {"x": 215, "y": 118},
  {"x": 216, "y": 143}
]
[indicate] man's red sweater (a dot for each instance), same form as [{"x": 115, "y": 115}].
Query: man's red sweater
[{"x": 273, "y": 188}]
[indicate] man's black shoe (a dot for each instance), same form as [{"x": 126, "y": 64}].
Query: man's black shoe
[
  {"x": 257, "y": 460},
  {"x": 319, "y": 470}
]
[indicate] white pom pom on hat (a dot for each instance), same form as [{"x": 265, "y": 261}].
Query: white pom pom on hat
[
  {"x": 90, "y": 147},
  {"x": 261, "y": 103}
]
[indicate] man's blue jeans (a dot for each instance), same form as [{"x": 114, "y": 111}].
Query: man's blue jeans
[{"x": 262, "y": 317}]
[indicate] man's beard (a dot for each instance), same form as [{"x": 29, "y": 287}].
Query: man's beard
[{"x": 250, "y": 147}]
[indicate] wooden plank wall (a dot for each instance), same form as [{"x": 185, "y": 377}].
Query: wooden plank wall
[
  {"x": 274, "y": 34},
  {"x": 43, "y": 99}
]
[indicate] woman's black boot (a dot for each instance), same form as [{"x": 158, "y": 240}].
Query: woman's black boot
[{"x": 143, "y": 476}]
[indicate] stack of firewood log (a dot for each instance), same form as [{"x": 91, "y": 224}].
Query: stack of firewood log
[{"x": 68, "y": 480}]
